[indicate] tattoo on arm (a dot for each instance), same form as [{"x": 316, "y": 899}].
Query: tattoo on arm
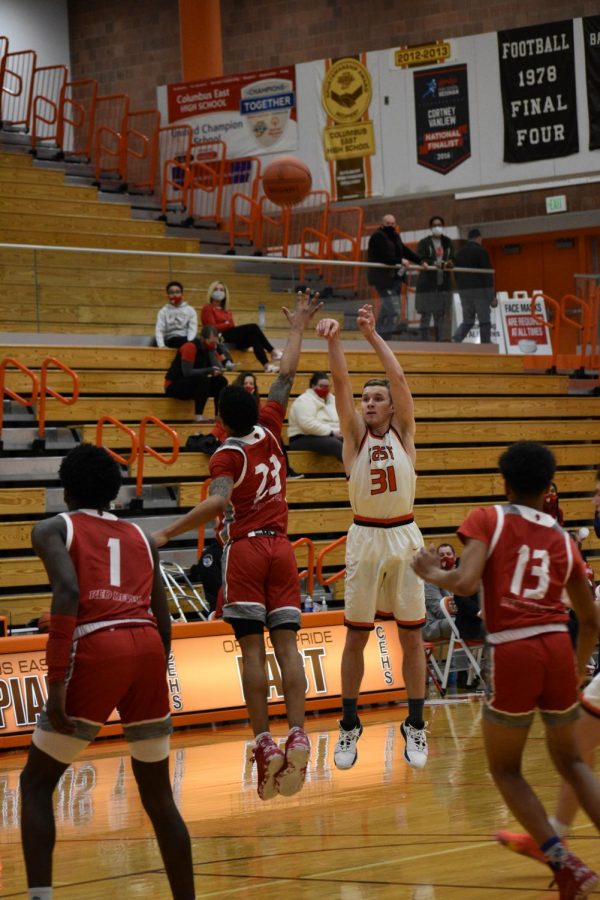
[
  {"x": 221, "y": 486},
  {"x": 280, "y": 389}
]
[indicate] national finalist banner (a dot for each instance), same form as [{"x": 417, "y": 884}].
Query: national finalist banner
[
  {"x": 442, "y": 118},
  {"x": 254, "y": 112},
  {"x": 537, "y": 76},
  {"x": 591, "y": 37}
]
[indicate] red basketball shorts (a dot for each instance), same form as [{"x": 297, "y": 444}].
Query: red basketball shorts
[
  {"x": 533, "y": 673},
  {"x": 260, "y": 580}
]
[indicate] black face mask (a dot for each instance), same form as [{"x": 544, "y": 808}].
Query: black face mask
[{"x": 389, "y": 229}]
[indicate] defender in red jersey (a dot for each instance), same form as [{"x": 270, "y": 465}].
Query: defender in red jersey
[
  {"x": 108, "y": 646},
  {"x": 260, "y": 575},
  {"x": 525, "y": 562}
]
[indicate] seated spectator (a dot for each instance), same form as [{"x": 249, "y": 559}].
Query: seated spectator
[
  {"x": 437, "y": 626},
  {"x": 196, "y": 373},
  {"x": 176, "y": 321},
  {"x": 215, "y": 313},
  {"x": 552, "y": 505},
  {"x": 313, "y": 421},
  {"x": 247, "y": 380}
]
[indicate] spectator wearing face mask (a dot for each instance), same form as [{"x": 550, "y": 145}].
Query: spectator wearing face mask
[
  {"x": 313, "y": 422},
  {"x": 385, "y": 246},
  {"x": 552, "y": 505},
  {"x": 466, "y": 609},
  {"x": 242, "y": 337},
  {"x": 434, "y": 284},
  {"x": 176, "y": 321},
  {"x": 196, "y": 372}
]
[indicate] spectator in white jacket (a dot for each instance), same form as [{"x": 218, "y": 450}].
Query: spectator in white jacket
[
  {"x": 177, "y": 321},
  {"x": 313, "y": 422}
]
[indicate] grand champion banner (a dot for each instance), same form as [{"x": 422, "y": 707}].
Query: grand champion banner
[
  {"x": 253, "y": 113},
  {"x": 591, "y": 38},
  {"x": 442, "y": 118},
  {"x": 537, "y": 75}
]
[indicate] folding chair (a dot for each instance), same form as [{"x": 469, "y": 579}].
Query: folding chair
[
  {"x": 432, "y": 664},
  {"x": 472, "y": 650},
  {"x": 182, "y": 592}
]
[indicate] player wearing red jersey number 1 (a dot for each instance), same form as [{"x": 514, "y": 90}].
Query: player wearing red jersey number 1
[
  {"x": 525, "y": 561},
  {"x": 108, "y": 645},
  {"x": 260, "y": 575},
  {"x": 379, "y": 459}
]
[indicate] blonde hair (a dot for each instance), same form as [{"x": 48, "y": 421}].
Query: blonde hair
[{"x": 211, "y": 288}]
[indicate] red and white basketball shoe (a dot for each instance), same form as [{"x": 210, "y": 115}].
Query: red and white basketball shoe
[
  {"x": 269, "y": 761},
  {"x": 297, "y": 751},
  {"x": 574, "y": 880}
]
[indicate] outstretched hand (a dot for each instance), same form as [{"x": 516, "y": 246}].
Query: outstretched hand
[
  {"x": 306, "y": 307},
  {"x": 328, "y": 328},
  {"x": 366, "y": 319}
]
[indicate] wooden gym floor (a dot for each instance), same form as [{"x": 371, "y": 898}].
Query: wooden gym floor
[{"x": 380, "y": 830}]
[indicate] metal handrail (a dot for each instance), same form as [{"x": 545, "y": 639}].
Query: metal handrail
[
  {"x": 101, "y": 150},
  {"x": 46, "y": 391},
  {"x": 143, "y": 448},
  {"x": 308, "y": 573},
  {"x": 125, "y": 461},
  {"x": 586, "y": 326},
  {"x": 319, "y": 567},
  {"x": 7, "y": 392}
]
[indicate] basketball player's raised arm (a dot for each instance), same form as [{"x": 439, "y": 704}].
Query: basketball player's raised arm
[
  {"x": 463, "y": 580},
  {"x": 215, "y": 505},
  {"x": 159, "y": 602},
  {"x": 582, "y": 602},
  {"x": 351, "y": 425},
  {"x": 404, "y": 407},
  {"x": 306, "y": 307}
]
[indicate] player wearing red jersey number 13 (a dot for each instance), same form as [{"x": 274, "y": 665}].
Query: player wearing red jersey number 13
[
  {"x": 260, "y": 576},
  {"x": 379, "y": 459},
  {"x": 525, "y": 561}
]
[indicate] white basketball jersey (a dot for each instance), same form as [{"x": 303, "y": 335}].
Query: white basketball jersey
[{"x": 382, "y": 480}]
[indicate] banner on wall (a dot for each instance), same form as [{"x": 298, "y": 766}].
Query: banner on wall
[
  {"x": 442, "y": 118},
  {"x": 537, "y": 76},
  {"x": 591, "y": 37},
  {"x": 253, "y": 113},
  {"x": 347, "y": 94}
]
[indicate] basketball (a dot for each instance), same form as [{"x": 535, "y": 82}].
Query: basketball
[
  {"x": 44, "y": 622},
  {"x": 287, "y": 181}
]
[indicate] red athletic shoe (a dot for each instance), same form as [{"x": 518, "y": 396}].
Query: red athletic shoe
[
  {"x": 574, "y": 880},
  {"x": 269, "y": 761},
  {"x": 292, "y": 775},
  {"x": 521, "y": 843}
]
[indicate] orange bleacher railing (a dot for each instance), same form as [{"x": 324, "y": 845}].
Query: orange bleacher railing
[
  {"x": 46, "y": 391},
  {"x": 174, "y": 150},
  {"x": 77, "y": 116},
  {"x": 143, "y": 448},
  {"x": 556, "y": 328},
  {"x": 205, "y": 180},
  {"x": 309, "y": 572},
  {"x": 141, "y": 149},
  {"x": 586, "y": 328},
  {"x": 320, "y": 560},
  {"x": 7, "y": 392},
  {"x": 244, "y": 224},
  {"x": 16, "y": 87},
  {"x": 48, "y": 92},
  {"x": 109, "y": 141},
  {"x": 111, "y": 420}
]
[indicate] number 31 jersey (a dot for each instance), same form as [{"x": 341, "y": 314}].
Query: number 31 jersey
[
  {"x": 256, "y": 465},
  {"x": 530, "y": 559},
  {"x": 382, "y": 479}
]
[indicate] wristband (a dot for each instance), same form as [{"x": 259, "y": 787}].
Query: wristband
[{"x": 58, "y": 648}]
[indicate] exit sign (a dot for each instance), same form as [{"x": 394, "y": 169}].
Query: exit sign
[{"x": 556, "y": 204}]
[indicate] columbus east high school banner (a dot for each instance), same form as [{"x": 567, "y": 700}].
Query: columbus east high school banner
[{"x": 537, "y": 74}]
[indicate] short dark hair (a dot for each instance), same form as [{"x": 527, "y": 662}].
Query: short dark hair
[
  {"x": 473, "y": 233},
  {"x": 174, "y": 284},
  {"x": 316, "y": 377},
  {"x": 90, "y": 476},
  {"x": 433, "y": 218},
  {"x": 378, "y": 382},
  {"x": 528, "y": 467},
  {"x": 238, "y": 409},
  {"x": 445, "y": 544}
]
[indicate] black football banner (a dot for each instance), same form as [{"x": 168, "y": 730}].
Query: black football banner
[
  {"x": 537, "y": 77},
  {"x": 591, "y": 37},
  {"x": 442, "y": 118}
]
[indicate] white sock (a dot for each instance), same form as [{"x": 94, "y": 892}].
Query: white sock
[
  {"x": 560, "y": 828},
  {"x": 40, "y": 893}
]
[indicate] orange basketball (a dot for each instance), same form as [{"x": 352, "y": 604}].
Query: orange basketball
[
  {"x": 44, "y": 622},
  {"x": 287, "y": 181}
]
